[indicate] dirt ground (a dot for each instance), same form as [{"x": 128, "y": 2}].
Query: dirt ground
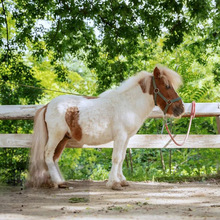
[{"x": 92, "y": 200}]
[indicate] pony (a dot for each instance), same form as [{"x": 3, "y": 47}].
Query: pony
[{"x": 115, "y": 115}]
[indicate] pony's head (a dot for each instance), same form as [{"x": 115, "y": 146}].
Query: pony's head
[{"x": 163, "y": 85}]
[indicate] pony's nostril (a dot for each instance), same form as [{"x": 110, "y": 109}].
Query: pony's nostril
[{"x": 178, "y": 110}]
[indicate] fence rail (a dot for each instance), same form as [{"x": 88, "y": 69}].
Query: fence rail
[
  {"x": 27, "y": 112},
  {"x": 23, "y": 112}
]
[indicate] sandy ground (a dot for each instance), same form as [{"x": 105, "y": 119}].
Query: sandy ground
[{"x": 141, "y": 200}]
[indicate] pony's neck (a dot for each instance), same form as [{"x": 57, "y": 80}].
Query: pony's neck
[
  {"x": 137, "y": 99},
  {"x": 140, "y": 102}
]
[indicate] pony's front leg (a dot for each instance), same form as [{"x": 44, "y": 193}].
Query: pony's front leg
[
  {"x": 58, "y": 170},
  {"x": 114, "y": 181},
  {"x": 121, "y": 176}
]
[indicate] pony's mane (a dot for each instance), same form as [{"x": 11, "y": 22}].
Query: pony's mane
[
  {"x": 170, "y": 76},
  {"x": 129, "y": 83}
]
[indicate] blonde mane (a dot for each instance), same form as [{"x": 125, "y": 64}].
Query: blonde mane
[
  {"x": 170, "y": 76},
  {"x": 129, "y": 83}
]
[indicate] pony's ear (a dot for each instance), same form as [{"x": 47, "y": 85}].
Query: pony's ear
[{"x": 157, "y": 73}]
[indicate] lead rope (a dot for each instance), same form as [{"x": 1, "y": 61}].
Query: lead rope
[{"x": 192, "y": 115}]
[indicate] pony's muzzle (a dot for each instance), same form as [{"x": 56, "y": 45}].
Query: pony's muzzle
[{"x": 178, "y": 110}]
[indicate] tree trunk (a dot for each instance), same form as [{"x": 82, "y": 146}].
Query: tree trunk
[
  {"x": 131, "y": 162},
  {"x": 126, "y": 159},
  {"x": 162, "y": 161},
  {"x": 170, "y": 162}
]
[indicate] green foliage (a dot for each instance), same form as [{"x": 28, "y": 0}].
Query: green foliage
[
  {"x": 13, "y": 74},
  {"x": 14, "y": 163},
  {"x": 216, "y": 72},
  {"x": 102, "y": 33},
  {"x": 82, "y": 163}
]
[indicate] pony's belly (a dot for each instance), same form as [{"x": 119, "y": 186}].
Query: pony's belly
[
  {"x": 96, "y": 128},
  {"x": 96, "y": 140}
]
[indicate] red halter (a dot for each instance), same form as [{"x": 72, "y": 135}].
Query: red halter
[{"x": 168, "y": 102}]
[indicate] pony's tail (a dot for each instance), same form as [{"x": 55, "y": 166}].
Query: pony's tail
[{"x": 38, "y": 171}]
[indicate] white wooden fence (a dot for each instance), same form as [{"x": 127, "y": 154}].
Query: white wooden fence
[{"x": 24, "y": 112}]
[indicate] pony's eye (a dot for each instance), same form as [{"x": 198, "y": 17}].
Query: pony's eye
[{"x": 167, "y": 86}]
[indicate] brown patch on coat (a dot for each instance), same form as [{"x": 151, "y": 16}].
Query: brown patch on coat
[
  {"x": 60, "y": 147},
  {"x": 151, "y": 90},
  {"x": 143, "y": 86},
  {"x": 90, "y": 97},
  {"x": 72, "y": 119}
]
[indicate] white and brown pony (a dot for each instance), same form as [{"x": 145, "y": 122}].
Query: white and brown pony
[{"x": 116, "y": 115}]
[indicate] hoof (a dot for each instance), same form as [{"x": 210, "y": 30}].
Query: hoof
[
  {"x": 63, "y": 185},
  {"x": 116, "y": 186},
  {"x": 124, "y": 183}
]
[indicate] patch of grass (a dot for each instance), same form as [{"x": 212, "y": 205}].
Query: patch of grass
[
  {"x": 117, "y": 208},
  {"x": 140, "y": 204},
  {"x": 78, "y": 200}
]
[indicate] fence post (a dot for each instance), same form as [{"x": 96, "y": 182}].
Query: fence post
[
  {"x": 218, "y": 123},
  {"x": 218, "y": 128}
]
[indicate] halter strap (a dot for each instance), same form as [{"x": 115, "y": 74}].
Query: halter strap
[{"x": 157, "y": 92}]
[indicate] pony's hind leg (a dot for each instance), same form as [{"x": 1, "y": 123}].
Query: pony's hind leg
[
  {"x": 53, "y": 142},
  {"x": 56, "y": 157}
]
